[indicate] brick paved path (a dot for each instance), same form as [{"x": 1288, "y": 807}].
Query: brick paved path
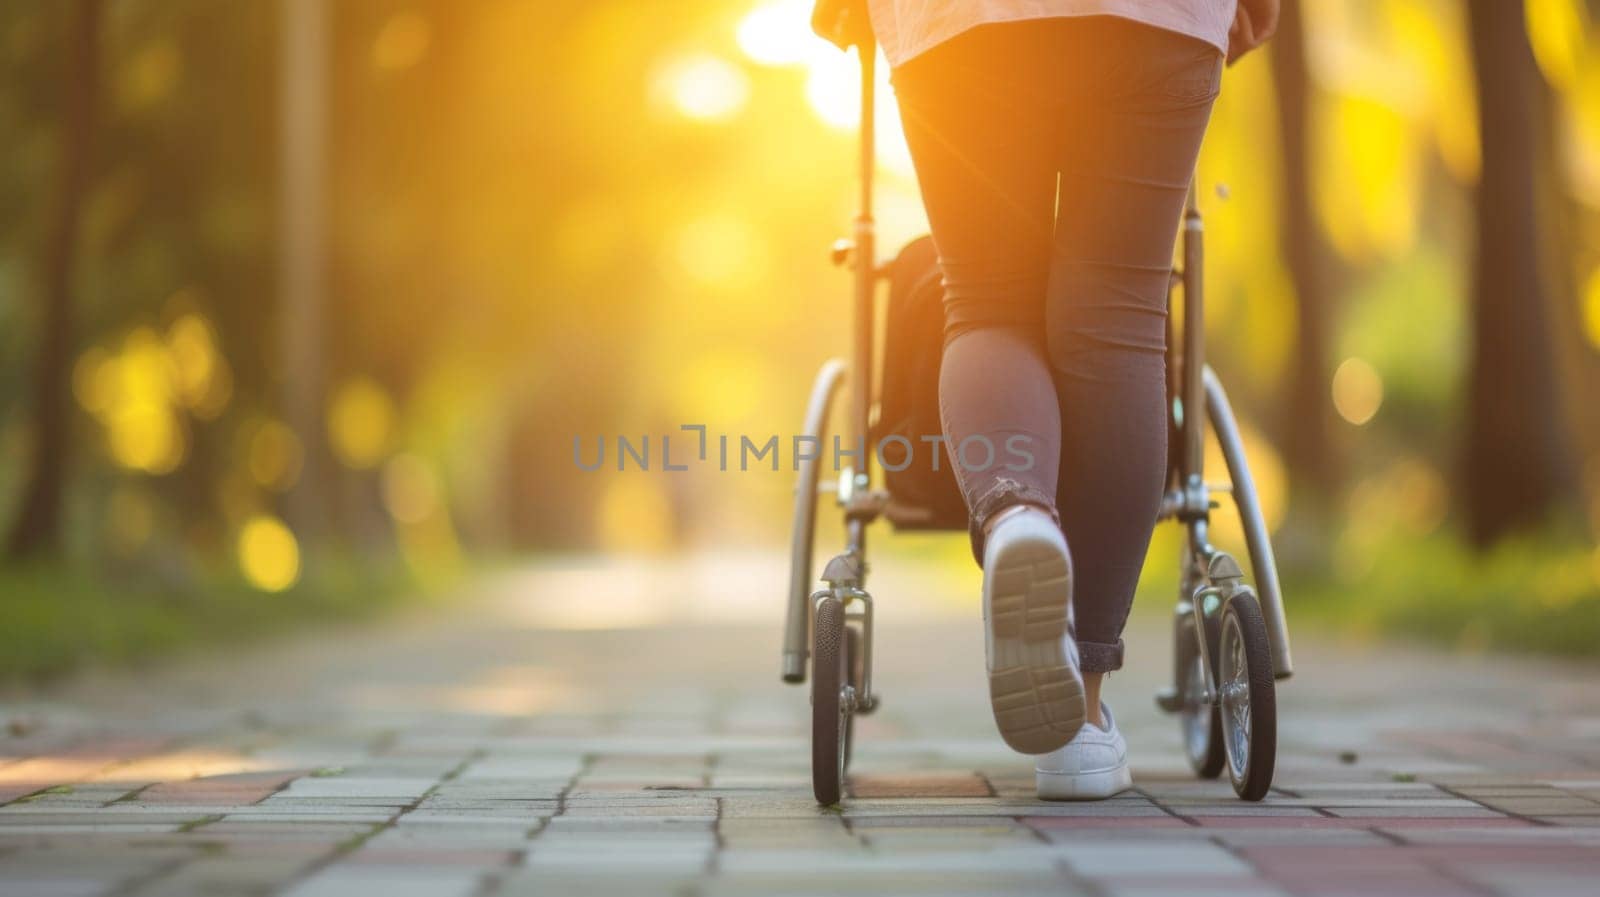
[{"x": 476, "y": 750}]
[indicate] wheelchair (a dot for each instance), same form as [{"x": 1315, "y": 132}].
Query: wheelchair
[{"x": 1230, "y": 638}]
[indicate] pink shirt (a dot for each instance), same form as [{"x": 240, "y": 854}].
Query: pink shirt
[{"x": 906, "y": 28}]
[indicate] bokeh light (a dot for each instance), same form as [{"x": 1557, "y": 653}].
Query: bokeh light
[
  {"x": 833, "y": 88},
  {"x": 144, "y": 436},
  {"x": 201, "y": 373},
  {"x": 361, "y": 421},
  {"x": 133, "y": 393},
  {"x": 402, "y": 42},
  {"x": 1357, "y": 391},
  {"x": 779, "y": 33},
  {"x": 703, "y": 87},
  {"x": 269, "y": 554}
]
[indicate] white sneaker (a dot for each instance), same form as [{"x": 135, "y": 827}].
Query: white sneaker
[
  {"x": 1034, "y": 683},
  {"x": 1092, "y": 766}
]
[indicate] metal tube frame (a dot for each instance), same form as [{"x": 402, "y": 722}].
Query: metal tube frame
[
  {"x": 861, "y": 504},
  {"x": 1200, "y": 399},
  {"x": 846, "y": 573},
  {"x": 865, "y": 270}
]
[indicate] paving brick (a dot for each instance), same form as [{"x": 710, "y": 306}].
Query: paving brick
[
  {"x": 669, "y": 761},
  {"x": 350, "y": 787},
  {"x": 1543, "y": 806},
  {"x": 1168, "y": 860},
  {"x": 1467, "y": 812},
  {"x": 1080, "y": 823},
  {"x": 1570, "y": 820},
  {"x": 406, "y": 881},
  {"x": 927, "y": 785},
  {"x": 1319, "y": 822},
  {"x": 1236, "y": 808}
]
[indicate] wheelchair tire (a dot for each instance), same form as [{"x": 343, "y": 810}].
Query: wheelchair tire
[
  {"x": 1199, "y": 722},
  {"x": 1248, "y": 704},
  {"x": 853, "y": 663},
  {"x": 830, "y": 714}
]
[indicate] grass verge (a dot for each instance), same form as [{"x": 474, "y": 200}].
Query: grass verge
[
  {"x": 56, "y": 618},
  {"x": 1534, "y": 595}
]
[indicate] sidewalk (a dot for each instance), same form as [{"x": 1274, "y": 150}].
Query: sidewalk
[{"x": 501, "y": 747}]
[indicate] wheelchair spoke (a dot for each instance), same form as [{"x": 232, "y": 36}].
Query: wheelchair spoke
[{"x": 1235, "y": 689}]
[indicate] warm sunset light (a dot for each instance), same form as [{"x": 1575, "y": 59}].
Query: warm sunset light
[
  {"x": 719, "y": 250},
  {"x": 833, "y": 89},
  {"x": 703, "y": 87},
  {"x": 778, "y": 32},
  {"x": 499, "y": 447}
]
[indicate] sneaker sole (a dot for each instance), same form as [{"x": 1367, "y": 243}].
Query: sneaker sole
[
  {"x": 1034, "y": 687},
  {"x": 1096, "y": 785}
]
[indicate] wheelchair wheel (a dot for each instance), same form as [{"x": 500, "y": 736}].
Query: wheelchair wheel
[
  {"x": 830, "y": 710},
  {"x": 1201, "y": 723},
  {"x": 1248, "y": 705},
  {"x": 853, "y": 663}
]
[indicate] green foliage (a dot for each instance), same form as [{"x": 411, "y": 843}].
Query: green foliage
[
  {"x": 59, "y": 618},
  {"x": 1534, "y": 594}
]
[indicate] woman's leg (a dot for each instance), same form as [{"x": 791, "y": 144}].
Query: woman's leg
[
  {"x": 980, "y": 138},
  {"x": 987, "y": 173},
  {"x": 1124, "y": 175}
]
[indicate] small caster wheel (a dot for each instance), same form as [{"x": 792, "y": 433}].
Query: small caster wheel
[
  {"x": 830, "y": 701},
  {"x": 1248, "y": 705}
]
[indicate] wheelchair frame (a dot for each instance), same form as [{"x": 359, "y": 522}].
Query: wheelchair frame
[{"x": 1230, "y": 638}]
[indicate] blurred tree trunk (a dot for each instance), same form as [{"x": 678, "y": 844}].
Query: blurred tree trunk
[
  {"x": 301, "y": 244},
  {"x": 1305, "y": 410},
  {"x": 1515, "y": 462},
  {"x": 37, "y": 530},
  {"x": 1577, "y": 364}
]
